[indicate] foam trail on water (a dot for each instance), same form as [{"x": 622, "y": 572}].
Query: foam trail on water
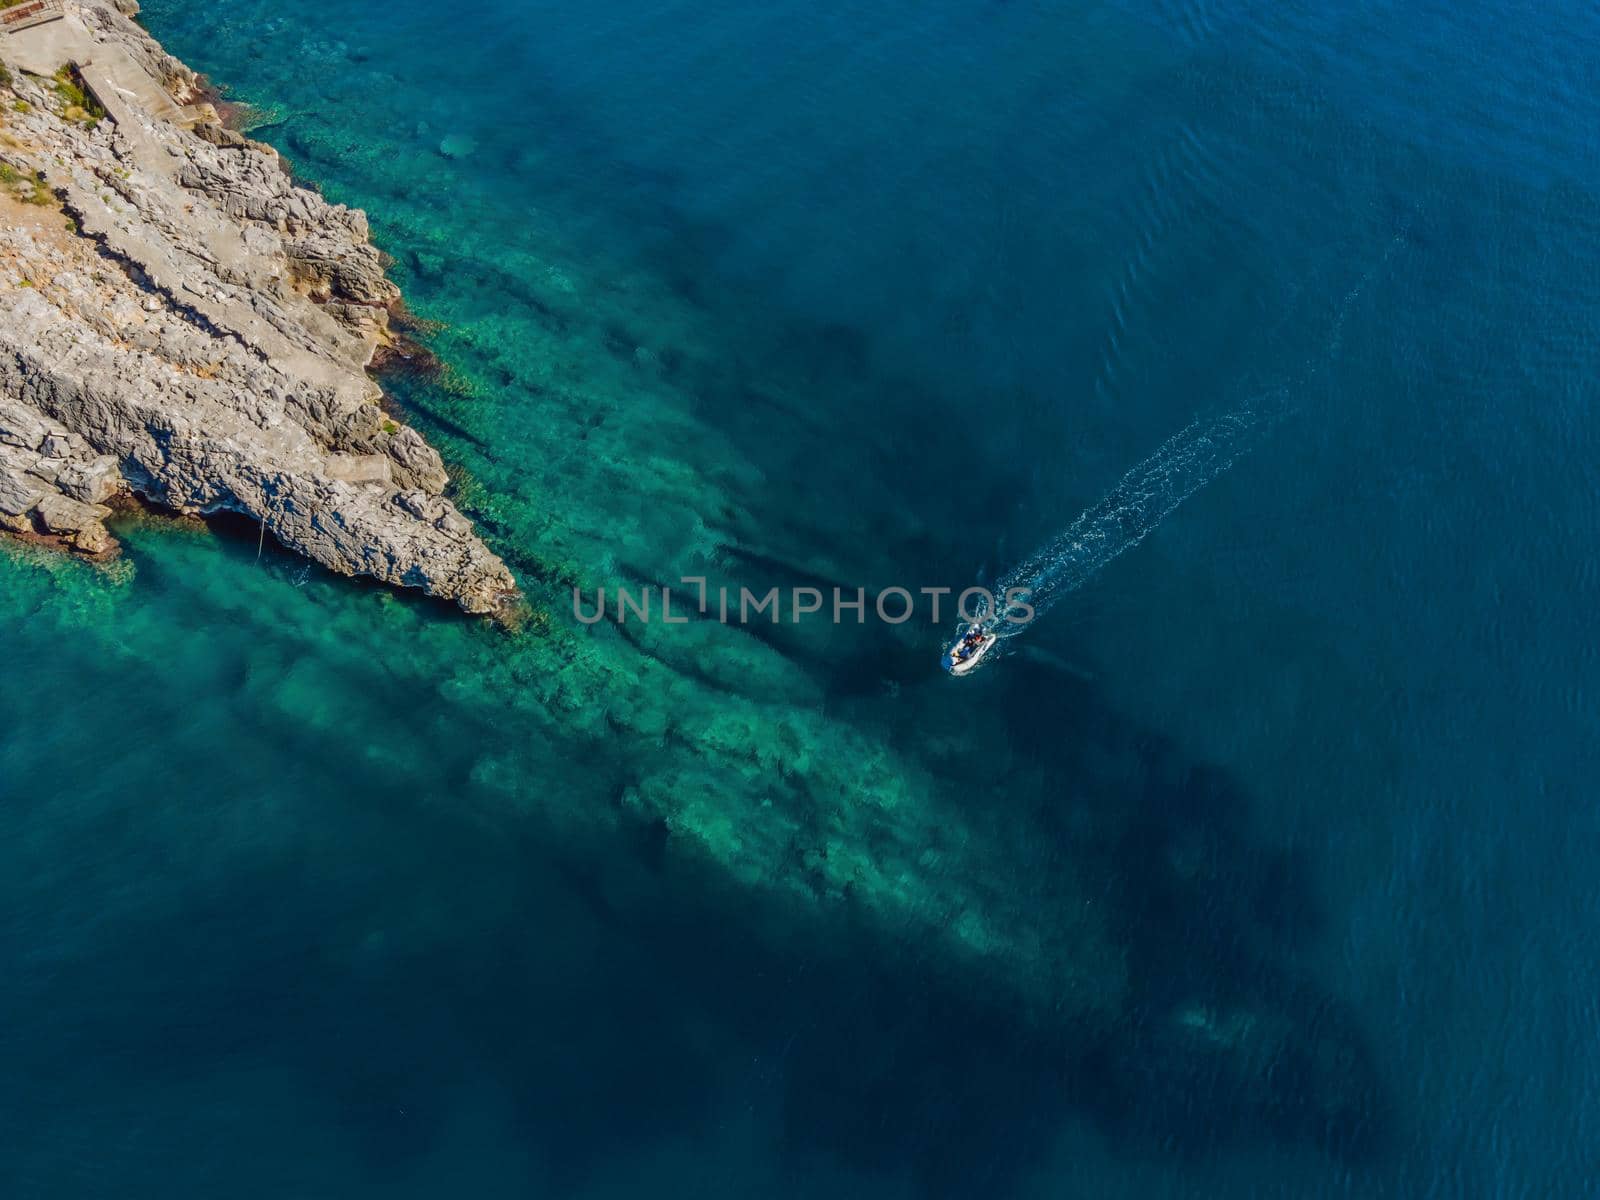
[
  {"x": 1148, "y": 494},
  {"x": 1143, "y": 498}
]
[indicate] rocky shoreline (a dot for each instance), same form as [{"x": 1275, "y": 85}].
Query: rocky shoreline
[{"x": 181, "y": 322}]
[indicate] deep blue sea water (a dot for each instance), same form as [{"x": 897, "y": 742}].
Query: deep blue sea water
[{"x": 1264, "y": 867}]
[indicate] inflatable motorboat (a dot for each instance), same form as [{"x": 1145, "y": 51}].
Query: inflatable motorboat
[{"x": 967, "y": 651}]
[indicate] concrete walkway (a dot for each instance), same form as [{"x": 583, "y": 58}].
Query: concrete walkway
[
  {"x": 116, "y": 80},
  {"x": 42, "y": 49},
  {"x": 137, "y": 104},
  {"x": 122, "y": 86},
  {"x": 167, "y": 271}
]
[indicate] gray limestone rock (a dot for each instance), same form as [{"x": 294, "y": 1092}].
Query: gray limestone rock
[
  {"x": 93, "y": 481},
  {"x": 20, "y": 491},
  {"x": 198, "y": 335},
  {"x": 21, "y": 426}
]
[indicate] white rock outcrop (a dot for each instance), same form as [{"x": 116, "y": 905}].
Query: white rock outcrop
[{"x": 180, "y": 321}]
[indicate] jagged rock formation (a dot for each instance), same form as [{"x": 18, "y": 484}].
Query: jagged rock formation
[{"x": 180, "y": 321}]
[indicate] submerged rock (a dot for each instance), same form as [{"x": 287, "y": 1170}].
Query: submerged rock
[{"x": 195, "y": 328}]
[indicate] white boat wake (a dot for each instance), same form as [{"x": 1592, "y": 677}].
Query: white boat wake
[{"x": 1142, "y": 499}]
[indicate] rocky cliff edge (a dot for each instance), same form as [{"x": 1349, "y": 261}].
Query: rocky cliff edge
[{"x": 181, "y": 322}]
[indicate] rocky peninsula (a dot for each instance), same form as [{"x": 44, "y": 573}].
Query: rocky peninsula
[{"x": 180, "y": 322}]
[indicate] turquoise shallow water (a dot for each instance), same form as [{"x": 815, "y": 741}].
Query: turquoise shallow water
[{"x": 1263, "y": 872}]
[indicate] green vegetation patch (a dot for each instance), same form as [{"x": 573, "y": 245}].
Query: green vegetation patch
[
  {"x": 25, "y": 186},
  {"x": 76, "y": 103}
]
